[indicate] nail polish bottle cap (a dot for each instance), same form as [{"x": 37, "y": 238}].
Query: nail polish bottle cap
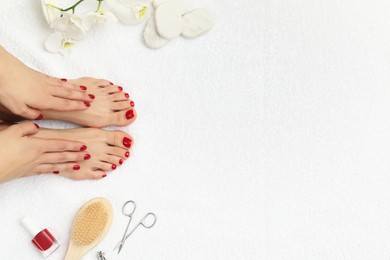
[{"x": 31, "y": 226}]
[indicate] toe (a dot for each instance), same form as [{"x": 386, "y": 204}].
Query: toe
[
  {"x": 121, "y": 105},
  {"x": 119, "y": 96},
  {"x": 98, "y": 174},
  {"x": 118, "y": 151},
  {"x": 119, "y": 139},
  {"x": 113, "y": 160},
  {"x": 125, "y": 117},
  {"x": 112, "y": 89},
  {"x": 102, "y": 83},
  {"x": 105, "y": 166}
]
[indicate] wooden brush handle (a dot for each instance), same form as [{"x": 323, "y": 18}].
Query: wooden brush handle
[{"x": 74, "y": 253}]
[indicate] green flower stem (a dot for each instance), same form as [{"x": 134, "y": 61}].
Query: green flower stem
[
  {"x": 73, "y": 7},
  {"x": 100, "y": 3}
]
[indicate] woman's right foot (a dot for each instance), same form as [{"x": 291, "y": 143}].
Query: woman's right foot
[{"x": 107, "y": 150}]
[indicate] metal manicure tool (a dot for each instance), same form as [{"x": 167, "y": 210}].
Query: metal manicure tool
[
  {"x": 101, "y": 255},
  {"x": 128, "y": 210}
]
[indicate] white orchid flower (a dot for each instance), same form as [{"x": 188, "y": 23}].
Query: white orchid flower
[
  {"x": 58, "y": 42},
  {"x": 130, "y": 12},
  {"x": 49, "y": 12},
  {"x": 100, "y": 17},
  {"x": 70, "y": 25}
]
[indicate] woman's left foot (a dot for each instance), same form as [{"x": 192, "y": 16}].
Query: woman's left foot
[{"x": 111, "y": 106}]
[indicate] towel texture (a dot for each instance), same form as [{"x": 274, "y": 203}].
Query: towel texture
[
  {"x": 196, "y": 159},
  {"x": 267, "y": 138}
]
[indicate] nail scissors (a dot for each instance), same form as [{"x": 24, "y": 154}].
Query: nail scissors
[{"x": 128, "y": 210}]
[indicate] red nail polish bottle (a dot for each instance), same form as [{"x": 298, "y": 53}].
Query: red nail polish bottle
[{"x": 42, "y": 238}]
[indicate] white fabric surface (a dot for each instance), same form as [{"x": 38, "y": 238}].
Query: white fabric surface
[{"x": 268, "y": 138}]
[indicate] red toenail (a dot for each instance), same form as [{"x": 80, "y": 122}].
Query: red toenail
[
  {"x": 39, "y": 117},
  {"x": 37, "y": 126},
  {"x": 126, "y": 142},
  {"x": 111, "y": 83},
  {"x": 104, "y": 175},
  {"x": 91, "y": 96},
  {"x": 132, "y": 103},
  {"x": 83, "y": 147},
  {"x": 64, "y": 80},
  {"x": 120, "y": 162},
  {"x": 127, "y": 154},
  {"x": 130, "y": 114},
  {"x": 83, "y": 87},
  {"x": 120, "y": 88},
  {"x": 76, "y": 167},
  {"x": 87, "y": 104},
  {"x": 113, "y": 167},
  {"x": 127, "y": 95},
  {"x": 87, "y": 156},
  {"x": 56, "y": 172}
]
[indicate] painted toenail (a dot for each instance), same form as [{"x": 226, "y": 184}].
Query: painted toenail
[
  {"x": 83, "y": 87},
  {"x": 76, "y": 167},
  {"x": 104, "y": 175},
  {"x": 126, "y": 142},
  {"x": 91, "y": 96},
  {"x": 87, "y": 156},
  {"x": 127, "y": 95},
  {"x": 83, "y": 147},
  {"x": 39, "y": 117},
  {"x": 87, "y": 104},
  {"x": 56, "y": 172},
  {"x": 113, "y": 167},
  {"x": 127, "y": 154},
  {"x": 120, "y": 162},
  {"x": 132, "y": 103},
  {"x": 64, "y": 80},
  {"x": 37, "y": 126},
  {"x": 120, "y": 88},
  {"x": 130, "y": 114},
  {"x": 111, "y": 83}
]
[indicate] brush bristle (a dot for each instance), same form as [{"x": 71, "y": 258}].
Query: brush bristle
[{"x": 90, "y": 223}]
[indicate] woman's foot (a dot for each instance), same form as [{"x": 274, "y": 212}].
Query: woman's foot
[
  {"x": 24, "y": 155},
  {"x": 107, "y": 150},
  {"x": 110, "y": 106}
]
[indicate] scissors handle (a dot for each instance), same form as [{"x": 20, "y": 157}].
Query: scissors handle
[
  {"x": 143, "y": 223},
  {"x": 126, "y": 207}
]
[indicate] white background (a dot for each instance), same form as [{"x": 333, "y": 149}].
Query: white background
[{"x": 267, "y": 138}]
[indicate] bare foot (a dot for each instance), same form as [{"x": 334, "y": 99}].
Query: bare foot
[
  {"x": 110, "y": 106},
  {"x": 108, "y": 150},
  {"x": 24, "y": 155}
]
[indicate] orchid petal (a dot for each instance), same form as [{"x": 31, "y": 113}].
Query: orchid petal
[
  {"x": 54, "y": 42},
  {"x": 58, "y": 43},
  {"x": 71, "y": 25},
  {"x": 49, "y": 12},
  {"x": 130, "y": 12}
]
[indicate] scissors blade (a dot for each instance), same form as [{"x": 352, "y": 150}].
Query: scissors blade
[{"x": 120, "y": 248}]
